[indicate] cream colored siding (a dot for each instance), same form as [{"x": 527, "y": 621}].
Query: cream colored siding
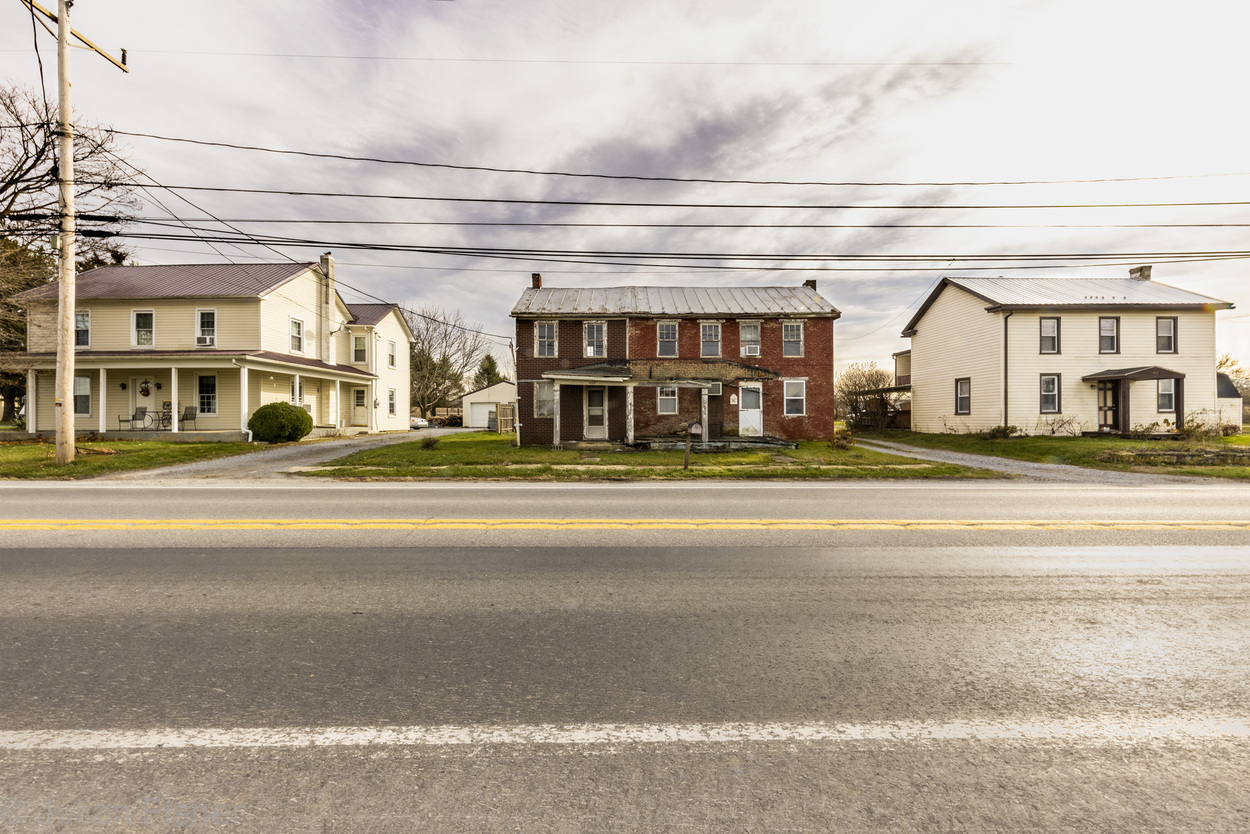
[
  {"x": 1079, "y": 357},
  {"x": 41, "y": 327},
  {"x": 296, "y": 299},
  {"x": 174, "y": 323},
  {"x": 399, "y": 378},
  {"x": 956, "y": 338}
]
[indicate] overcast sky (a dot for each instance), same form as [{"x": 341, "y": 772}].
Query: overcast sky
[{"x": 923, "y": 93}]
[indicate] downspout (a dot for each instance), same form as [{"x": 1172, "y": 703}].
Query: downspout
[{"x": 1008, "y": 315}]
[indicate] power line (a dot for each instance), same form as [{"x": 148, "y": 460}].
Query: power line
[
  {"x": 614, "y": 204},
  {"x": 640, "y": 178}
]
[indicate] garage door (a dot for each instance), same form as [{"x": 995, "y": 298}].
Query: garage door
[{"x": 479, "y": 413}]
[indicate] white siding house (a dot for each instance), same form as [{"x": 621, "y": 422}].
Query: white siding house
[
  {"x": 1063, "y": 355},
  {"x": 477, "y": 406}
]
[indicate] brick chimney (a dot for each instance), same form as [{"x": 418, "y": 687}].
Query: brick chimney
[
  {"x": 536, "y": 280},
  {"x": 810, "y": 282},
  {"x": 1140, "y": 273}
]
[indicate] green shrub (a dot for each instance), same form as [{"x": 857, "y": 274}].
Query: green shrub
[
  {"x": 279, "y": 423},
  {"x": 842, "y": 439},
  {"x": 1001, "y": 432},
  {"x": 429, "y": 442}
]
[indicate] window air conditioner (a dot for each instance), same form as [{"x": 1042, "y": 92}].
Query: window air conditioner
[
  {"x": 205, "y": 341},
  {"x": 750, "y": 350},
  {"x": 714, "y": 390}
]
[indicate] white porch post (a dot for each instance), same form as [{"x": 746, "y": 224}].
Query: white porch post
[
  {"x": 173, "y": 400},
  {"x": 629, "y": 414},
  {"x": 32, "y": 402},
  {"x": 242, "y": 398},
  {"x": 555, "y": 415},
  {"x": 338, "y": 404},
  {"x": 296, "y": 397},
  {"x": 703, "y": 413},
  {"x": 104, "y": 382}
]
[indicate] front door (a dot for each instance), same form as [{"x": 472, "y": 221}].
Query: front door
[
  {"x": 596, "y": 414},
  {"x": 750, "y": 409},
  {"x": 143, "y": 395},
  {"x": 360, "y": 413},
  {"x": 1109, "y": 405}
]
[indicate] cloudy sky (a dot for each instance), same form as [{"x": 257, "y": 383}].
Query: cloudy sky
[{"x": 893, "y": 131}]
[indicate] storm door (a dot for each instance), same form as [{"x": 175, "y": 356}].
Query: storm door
[{"x": 596, "y": 414}]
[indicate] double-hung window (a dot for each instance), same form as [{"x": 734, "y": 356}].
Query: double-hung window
[
  {"x": 545, "y": 344},
  {"x": 205, "y": 328},
  {"x": 358, "y": 350},
  {"x": 82, "y": 328},
  {"x": 709, "y": 338},
  {"x": 596, "y": 339},
  {"x": 390, "y": 354},
  {"x": 1165, "y": 334},
  {"x": 1051, "y": 403},
  {"x": 1050, "y": 336},
  {"x": 544, "y": 399},
  {"x": 1167, "y": 395},
  {"x": 1109, "y": 334},
  {"x": 390, "y": 401},
  {"x": 82, "y": 395},
  {"x": 749, "y": 338},
  {"x": 792, "y": 338},
  {"x": 207, "y": 386},
  {"x": 796, "y": 397},
  {"x": 666, "y": 401},
  {"x": 297, "y": 336},
  {"x": 143, "y": 328},
  {"x": 963, "y": 396},
  {"x": 666, "y": 340}
]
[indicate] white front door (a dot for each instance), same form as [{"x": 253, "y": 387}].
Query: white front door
[
  {"x": 360, "y": 411},
  {"x": 596, "y": 414},
  {"x": 750, "y": 409}
]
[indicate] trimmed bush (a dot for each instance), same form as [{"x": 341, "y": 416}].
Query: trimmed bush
[{"x": 279, "y": 422}]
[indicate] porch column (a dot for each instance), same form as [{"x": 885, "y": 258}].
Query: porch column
[
  {"x": 32, "y": 401},
  {"x": 104, "y": 382},
  {"x": 242, "y": 398},
  {"x": 1180, "y": 404},
  {"x": 555, "y": 417},
  {"x": 173, "y": 400},
  {"x": 338, "y": 404},
  {"x": 629, "y": 414},
  {"x": 703, "y": 414},
  {"x": 296, "y": 396}
]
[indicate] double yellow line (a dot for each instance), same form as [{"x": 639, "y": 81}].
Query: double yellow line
[{"x": 781, "y": 524}]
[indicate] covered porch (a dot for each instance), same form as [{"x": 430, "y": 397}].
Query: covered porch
[{"x": 1115, "y": 396}]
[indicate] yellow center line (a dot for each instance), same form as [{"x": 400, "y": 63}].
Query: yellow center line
[{"x": 607, "y": 524}]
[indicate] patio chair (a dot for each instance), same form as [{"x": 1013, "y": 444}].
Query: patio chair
[
  {"x": 138, "y": 420},
  {"x": 188, "y": 416}
]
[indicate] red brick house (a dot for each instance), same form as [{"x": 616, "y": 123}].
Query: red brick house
[{"x": 624, "y": 363}]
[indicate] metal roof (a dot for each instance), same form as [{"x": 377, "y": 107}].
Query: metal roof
[
  {"x": 672, "y": 301},
  {"x": 1090, "y": 293},
  {"x": 1225, "y": 387},
  {"x": 369, "y": 313},
  {"x": 174, "y": 281}
]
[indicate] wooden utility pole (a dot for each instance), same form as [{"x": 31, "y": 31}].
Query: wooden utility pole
[{"x": 64, "y": 400}]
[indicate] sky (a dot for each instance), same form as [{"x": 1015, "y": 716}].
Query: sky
[{"x": 879, "y": 125}]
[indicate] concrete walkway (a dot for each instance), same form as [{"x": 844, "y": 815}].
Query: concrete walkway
[
  {"x": 277, "y": 461},
  {"x": 1023, "y": 468}
]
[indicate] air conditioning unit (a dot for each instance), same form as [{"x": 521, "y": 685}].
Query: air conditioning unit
[
  {"x": 205, "y": 341},
  {"x": 714, "y": 390},
  {"x": 307, "y": 407},
  {"x": 750, "y": 350}
]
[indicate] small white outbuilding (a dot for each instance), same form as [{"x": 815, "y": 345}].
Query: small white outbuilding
[{"x": 480, "y": 407}]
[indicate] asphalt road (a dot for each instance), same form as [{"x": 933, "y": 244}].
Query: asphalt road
[{"x": 969, "y": 677}]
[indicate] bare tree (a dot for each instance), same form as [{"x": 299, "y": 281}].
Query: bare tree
[
  {"x": 856, "y": 402},
  {"x": 104, "y": 181},
  {"x": 445, "y": 350}
]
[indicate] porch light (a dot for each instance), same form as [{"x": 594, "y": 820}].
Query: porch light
[
  {"x": 158, "y": 386},
  {"x": 123, "y": 386}
]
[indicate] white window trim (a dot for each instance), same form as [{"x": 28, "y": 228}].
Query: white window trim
[
  {"x": 216, "y": 395},
  {"x": 660, "y": 398},
  {"x": 392, "y": 404},
  {"x": 196, "y": 324},
  {"x": 784, "y": 411},
  {"x": 303, "y": 335},
  {"x": 134, "y": 330},
  {"x": 364, "y": 338},
  {"x": 537, "y": 398},
  {"x": 801, "y": 340},
  {"x": 392, "y": 353},
  {"x": 586, "y": 340},
  {"x": 555, "y": 341},
  {"x": 676, "y": 340},
  {"x": 86, "y": 313},
  {"x": 719, "y": 339},
  {"x": 75, "y": 395},
  {"x": 1159, "y": 397}
]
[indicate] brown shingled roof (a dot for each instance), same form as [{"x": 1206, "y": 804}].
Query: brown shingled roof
[{"x": 175, "y": 281}]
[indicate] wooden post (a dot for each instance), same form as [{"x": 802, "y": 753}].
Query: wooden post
[
  {"x": 629, "y": 415},
  {"x": 64, "y": 393}
]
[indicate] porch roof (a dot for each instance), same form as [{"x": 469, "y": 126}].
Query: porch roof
[
  {"x": 267, "y": 356},
  {"x": 663, "y": 371},
  {"x": 1142, "y": 372}
]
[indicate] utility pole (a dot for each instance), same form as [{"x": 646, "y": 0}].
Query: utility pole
[
  {"x": 64, "y": 400},
  {"x": 64, "y": 391}
]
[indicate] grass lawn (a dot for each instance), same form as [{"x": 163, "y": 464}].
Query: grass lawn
[
  {"x": 481, "y": 456},
  {"x": 1090, "y": 452},
  {"x": 37, "y": 460}
]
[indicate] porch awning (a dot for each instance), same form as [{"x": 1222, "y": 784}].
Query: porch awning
[{"x": 1143, "y": 372}]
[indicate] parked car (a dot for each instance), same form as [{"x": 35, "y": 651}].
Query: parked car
[{"x": 419, "y": 423}]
